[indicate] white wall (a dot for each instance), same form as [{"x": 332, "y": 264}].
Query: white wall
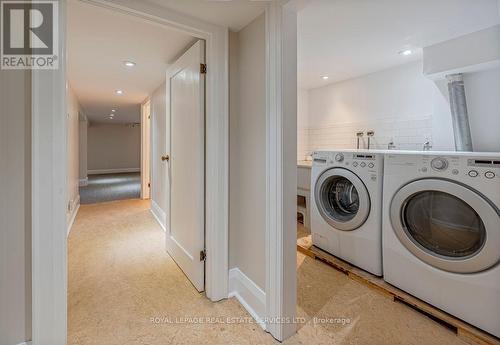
[
  {"x": 302, "y": 123},
  {"x": 158, "y": 149},
  {"x": 15, "y": 207},
  {"x": 483, "y": 101},
  {"x": 477, "y": 56},
  {"x": 465, "y": 53},
  {"x": 82, "y": 138},
  {"x": 247, "y": 197},
  {"x": 73, "y": 161},
  {"x": 113, "y": 148},
  {"x": 399, "y": 104}
]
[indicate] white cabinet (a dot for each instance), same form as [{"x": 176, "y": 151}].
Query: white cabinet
[
  {"x": 304, "y": 176},
  {"x": 303, "y": 192}
]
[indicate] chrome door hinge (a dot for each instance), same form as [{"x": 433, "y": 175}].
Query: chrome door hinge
[
  {"x": 203, "y": 68},
  {"x": 203, "y": 255}
]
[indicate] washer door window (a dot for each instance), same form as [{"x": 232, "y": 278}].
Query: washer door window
[
  {"x": 447, "y": 225},
  {"x": 342, "y": 199}
]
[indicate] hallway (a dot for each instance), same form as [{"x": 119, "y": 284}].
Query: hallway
[
  {"x": 123, "y": 288},
  {"x": 109, "y": 187},
  {"x": 120, "y": 277}
]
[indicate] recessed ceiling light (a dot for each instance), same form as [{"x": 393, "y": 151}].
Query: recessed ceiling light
[
  {"x": 406, "y": 52},
  {"x": 324, "y": 77},
  {"x": 111, "y": 117},
  {"x": 119, "y": 92},
  {"x": 129, "y": 63},
  {"x": 113, "y": 110}
]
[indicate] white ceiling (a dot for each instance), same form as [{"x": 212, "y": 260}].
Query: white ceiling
[
  {"x": 99, "y": 40},
  {"x": 348, "y": 38},
  {"x": 234, "y": 14}
]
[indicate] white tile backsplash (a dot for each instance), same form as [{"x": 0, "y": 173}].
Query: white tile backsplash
[{"x": 407, "y": 134}]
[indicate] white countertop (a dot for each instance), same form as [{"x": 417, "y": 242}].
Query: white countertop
[{"x": 304, "y": 164}]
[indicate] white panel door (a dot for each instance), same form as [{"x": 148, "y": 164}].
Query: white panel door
[{"x": 186, "y": 231}]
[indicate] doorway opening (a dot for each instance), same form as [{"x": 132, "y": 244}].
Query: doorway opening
[
  {"x": 136, "y": 163},
  {"x": 49, "y": 162},
  {"x": 369, "y": 83}
]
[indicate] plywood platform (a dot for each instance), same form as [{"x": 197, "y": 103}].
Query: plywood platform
[{"x": 464, "y": 331}]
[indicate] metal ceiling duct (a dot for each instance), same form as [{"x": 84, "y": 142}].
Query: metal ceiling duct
[{"x": 459, "y": 114}]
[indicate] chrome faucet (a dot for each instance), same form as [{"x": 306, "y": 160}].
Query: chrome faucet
[
  {"x": 427, "y": 146},
  {"x": 359, "y": 135},
  {"x": 391, "y": 145},
  {"x": 369, "y": 134}
]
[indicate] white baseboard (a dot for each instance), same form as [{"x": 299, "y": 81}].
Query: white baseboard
[
  {"x": 159, "y": 215},
  {"x": 83, "y": 182},
  {"x": 113, "y": 171},
  {"x": 25, "y": 343},
  {"x": 249, "y": 294},
  {"x": 76, "y": 207}
]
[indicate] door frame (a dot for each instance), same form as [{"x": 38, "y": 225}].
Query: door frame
[
  {"x": 146, "y": 149},
  {"x": 49, "y": 242},
  {"x": 281, "y": 166}
]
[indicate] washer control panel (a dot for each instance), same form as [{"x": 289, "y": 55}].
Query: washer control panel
[
  {"x": 355, "y": 159},
  {"x": 363, "y": 161}
]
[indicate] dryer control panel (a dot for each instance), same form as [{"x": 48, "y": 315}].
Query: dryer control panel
[
  {"x": 450, "y": 166},
  {"x": 487, "y": 168}
]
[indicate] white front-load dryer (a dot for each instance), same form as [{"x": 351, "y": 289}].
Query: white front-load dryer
[
  {"x": 441, "y": 232},
  {"x": 347, "y": 206}
]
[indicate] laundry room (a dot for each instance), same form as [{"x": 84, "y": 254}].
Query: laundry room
[{"x": 398, "y": 169}]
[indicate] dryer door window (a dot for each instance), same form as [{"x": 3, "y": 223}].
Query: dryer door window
[
  {"x": 342, "y": 199},
  {"x": 447, "y": 225},
  {"x": 443, "y": 224}
]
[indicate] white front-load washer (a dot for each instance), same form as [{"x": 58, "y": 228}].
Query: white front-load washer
[
  {"x": 441, "y": 231},
  {"x": 347, "y": 206}
]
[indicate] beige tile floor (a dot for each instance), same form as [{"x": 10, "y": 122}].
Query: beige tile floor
[
  {"x": 302, "y": 231},
  {"x": 120, "y": 277}
]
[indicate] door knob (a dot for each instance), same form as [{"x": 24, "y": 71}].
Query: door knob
[{"x": 165, "y": 158}]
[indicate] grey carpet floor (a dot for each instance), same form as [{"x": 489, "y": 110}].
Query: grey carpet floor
[{"x": 109, "y": 187}]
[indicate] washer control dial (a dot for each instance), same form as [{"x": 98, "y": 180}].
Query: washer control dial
[
  {"x": 339, "y": 157},
  {"x": 439, "y": 164},
  {"x": 489, "y": 174},
  {"x": 473, "y": 173}
]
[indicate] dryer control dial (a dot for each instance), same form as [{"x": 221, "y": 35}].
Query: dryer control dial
[
  {"x": 339, "y": 157},
  {"x": 439, "y": 164}
]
